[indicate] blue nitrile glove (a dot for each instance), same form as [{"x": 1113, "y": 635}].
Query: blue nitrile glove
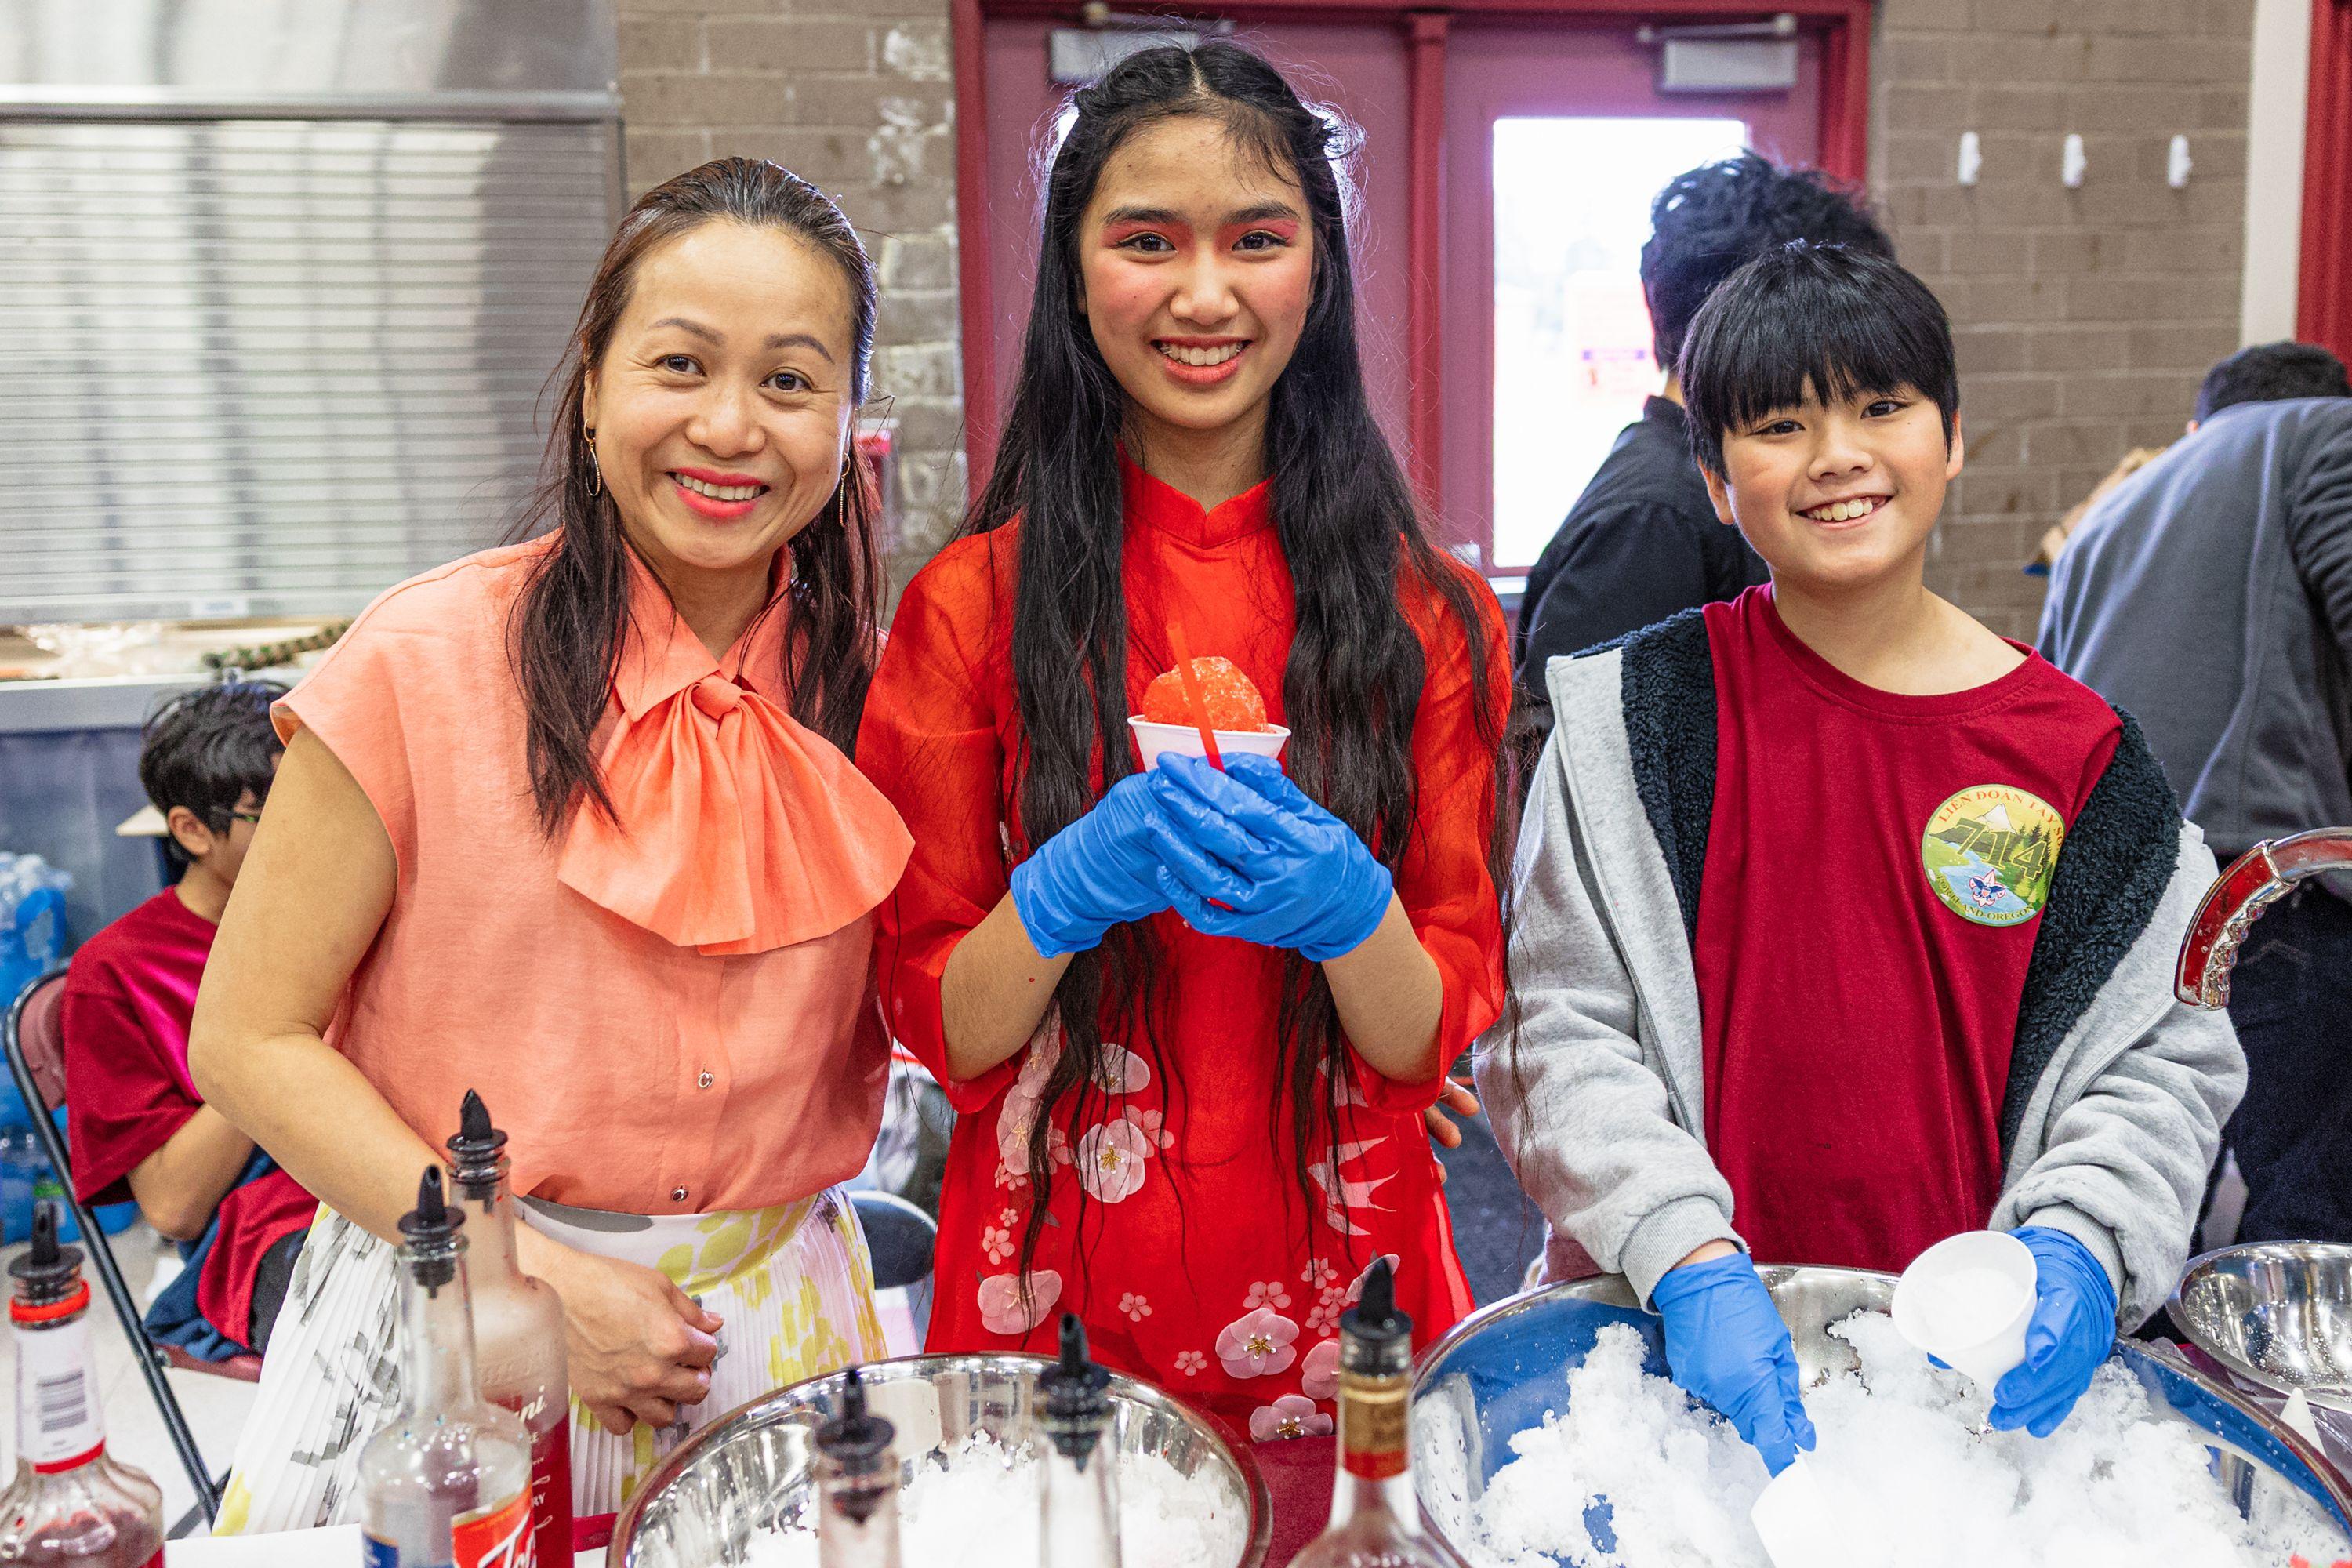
[
  {"x": 1287, "y": 872},
  {"x": 1097, "y": 871},
  {"x": 2072, "y": 1330},
  {"x": 1726, "y": 1343}
]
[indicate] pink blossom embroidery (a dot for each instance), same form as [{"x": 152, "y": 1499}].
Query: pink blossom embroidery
[
  {"x": 1320, "y": 1376},
  {"x": 1008, "y": 1217},
  {"x": 1134, "y": 1306},
  {"x": 1118, "y": 1070},
  {"x": 1003, "y": 1310},
  {"x": 1343, "y": 1194},
  {"x": 1191, "y": 1363},
  {"x": 1257, "y": 1344},
  {"x": 1156, "y": 1136},
  {"x": 1110, "y": 1161},
  {"x": 1268, "y": 1293},
  {"x": 1317, "y": 1273},
  {"x": 1057, "y": 1146},
  {"x": 1324, "y": 1315},
  {"x": 1025, "y": 1099},
  {"x": 997, "y": 1244},
  {"x": 1008, "y": 1177},
  {"x": 1356, "y": 1292},
  {"x": 1291, "y": 1416}
]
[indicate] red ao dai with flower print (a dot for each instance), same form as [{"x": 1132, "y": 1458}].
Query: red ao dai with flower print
[{"x": 1197, "y": 1261}]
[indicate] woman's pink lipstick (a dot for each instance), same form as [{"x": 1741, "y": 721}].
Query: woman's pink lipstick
[
  {"x": 713, "y": 508},
  {"x": 1202, "y": 375}
]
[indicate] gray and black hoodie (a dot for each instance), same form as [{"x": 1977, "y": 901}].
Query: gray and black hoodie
[{"x": 2117, "y": 1091}]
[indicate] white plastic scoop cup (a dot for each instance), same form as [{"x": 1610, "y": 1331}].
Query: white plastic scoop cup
[
  {"x": 1967, "y": 1301},
  {"x": 1793, "y": 1521}
]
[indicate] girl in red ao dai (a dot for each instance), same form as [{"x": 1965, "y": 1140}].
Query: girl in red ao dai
[{"x": 1192, "y": 1019}]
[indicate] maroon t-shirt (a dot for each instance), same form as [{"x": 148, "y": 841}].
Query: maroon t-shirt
[
  {"x": 1876, "y": 871},
  {"x": 129, "y": 996}
]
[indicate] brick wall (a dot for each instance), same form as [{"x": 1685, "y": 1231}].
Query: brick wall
[
  {"x": 854, "y": 95},
  {"x": 2084, "y": 318}
]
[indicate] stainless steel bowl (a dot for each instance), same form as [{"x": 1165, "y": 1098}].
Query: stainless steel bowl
[
  {"x": 1502, "y": 1369},
  {"x": 2277, "y": 1314},
  {"x": 748, "y": 1473}
]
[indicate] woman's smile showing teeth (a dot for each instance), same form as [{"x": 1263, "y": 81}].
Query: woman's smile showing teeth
[
  {"x": 722, "y": 497},
  {"x": 1852, "y": 511},
  {"x": 1202, "y": 361}
]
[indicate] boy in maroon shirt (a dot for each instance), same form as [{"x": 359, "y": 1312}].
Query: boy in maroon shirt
[
  {"x": 1840, "y": 913},
  {"x": 138, "y": 1128}
]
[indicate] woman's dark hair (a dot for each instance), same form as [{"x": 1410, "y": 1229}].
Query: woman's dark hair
[
  {"x": 566, "y": 631},
  {"x": 1711, "y": 221},
  {"x": 2271, "y": 372},
  {"x": 206, "y": 748},
  {"x": 1819, "y": 320},
  {"x": 1347, "y": 526}
]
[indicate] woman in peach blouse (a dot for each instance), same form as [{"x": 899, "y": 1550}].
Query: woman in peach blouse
[{"x": 571, "y": 823}]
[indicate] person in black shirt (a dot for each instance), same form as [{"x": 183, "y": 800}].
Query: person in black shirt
[{"x": 1643, "y": 542}]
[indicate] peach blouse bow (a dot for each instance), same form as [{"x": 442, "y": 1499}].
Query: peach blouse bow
[{"x": 735, "y": 830}]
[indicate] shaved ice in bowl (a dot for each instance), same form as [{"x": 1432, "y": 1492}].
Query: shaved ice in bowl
[{"x": 1630, "y": 1472}]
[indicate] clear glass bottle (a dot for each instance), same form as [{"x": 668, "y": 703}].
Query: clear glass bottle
[
  {"x": 1375, "y": 1518},
  {"x": 70, "y": 1502},
  {"x": 448, "y": 1483},
  {"x": 857, "y": 1485},
  {"x": 518, "y": 1334},
  {"x": 1078, "y": 1503}
]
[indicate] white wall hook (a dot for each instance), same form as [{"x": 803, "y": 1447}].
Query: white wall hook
[
  {"x": 2177, "y": 167},
  {"x": 2071, "y": 168},
  {"x": 1971, "y": 157}
]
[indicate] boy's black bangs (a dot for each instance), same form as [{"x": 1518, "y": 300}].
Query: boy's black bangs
[
  {"x": 1818, "y": 322},
  {"x": 1823, "y": 342}
]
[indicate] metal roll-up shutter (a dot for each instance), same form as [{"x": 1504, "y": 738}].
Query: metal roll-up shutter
[{"x": 272, "y": 366}]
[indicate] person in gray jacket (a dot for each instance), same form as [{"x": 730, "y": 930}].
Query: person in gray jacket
[
  {"x": 2210, "y": 594},
  {"x": 1840, "y": 924}
]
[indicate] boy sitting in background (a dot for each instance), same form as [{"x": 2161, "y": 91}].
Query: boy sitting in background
[
  {"x": 136, "y": 1121},
  {"x": 1839, "y": 913}
]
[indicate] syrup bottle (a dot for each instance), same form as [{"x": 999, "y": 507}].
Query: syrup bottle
[
  {"x": 518, "y": 1335},
  {"x": 70, "y": 1503},
  {"x": 448, "y": 1483},
  {"x": 1375, "y": 1516},
  {"x": 1078, "y": 1522},
  {"x": 857, "y": 1487}
]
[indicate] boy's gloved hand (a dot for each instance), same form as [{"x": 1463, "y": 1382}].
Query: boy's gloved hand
[
  {"x": 2072, "y": 1330},
  {"x": 1097, "y": 871},
  {"x": 1288, "y": 873},
  {"x": 1725, "y": 1343}
]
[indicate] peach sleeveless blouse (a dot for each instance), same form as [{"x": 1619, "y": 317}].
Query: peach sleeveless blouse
[{"x": 672, "y": 1013}]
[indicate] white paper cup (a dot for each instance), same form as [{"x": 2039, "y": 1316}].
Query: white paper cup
[
  {"x": 1792, "y": 1518},
  {"x": 1967, "y": 1301},
  {"x": 1184, "y": 740}
]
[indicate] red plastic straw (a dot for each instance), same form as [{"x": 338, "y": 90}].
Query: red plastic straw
[{"x": 1190, "y": 679}]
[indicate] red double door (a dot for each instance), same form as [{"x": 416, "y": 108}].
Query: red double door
[{"x": 1508, "y": 165}]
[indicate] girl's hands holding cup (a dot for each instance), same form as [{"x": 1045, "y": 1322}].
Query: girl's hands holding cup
[{"x": 1245, "y": 852}]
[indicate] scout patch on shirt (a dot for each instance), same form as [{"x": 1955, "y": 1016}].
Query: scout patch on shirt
[{"x": 1990, "y": 852}]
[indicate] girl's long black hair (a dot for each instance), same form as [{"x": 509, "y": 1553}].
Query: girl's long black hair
[
  {"x": 1349, "y": 527},
  {"x": 565, "y": 633}
]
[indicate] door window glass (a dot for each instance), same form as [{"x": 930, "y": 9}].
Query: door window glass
[{"x": 1572, "y": 355}]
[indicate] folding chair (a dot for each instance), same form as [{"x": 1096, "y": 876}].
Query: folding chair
[{"x": 36, "y": 1060}]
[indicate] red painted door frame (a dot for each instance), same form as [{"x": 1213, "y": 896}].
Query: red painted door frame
[
  {"x": 1844, "y": 26},
  {"x": 2324, "y": 296}
]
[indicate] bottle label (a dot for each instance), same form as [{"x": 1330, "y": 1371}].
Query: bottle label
[
  {"x": 497, "y": 1537},
  {"x": 57, "y": 1421},
  {"x": 1372, "y": 1426},
  {"x": 549, "y": 1426},
  {"x": 382, "y": 1554}
]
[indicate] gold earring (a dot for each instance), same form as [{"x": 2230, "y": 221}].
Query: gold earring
[{"x": 595, "y": 474}]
